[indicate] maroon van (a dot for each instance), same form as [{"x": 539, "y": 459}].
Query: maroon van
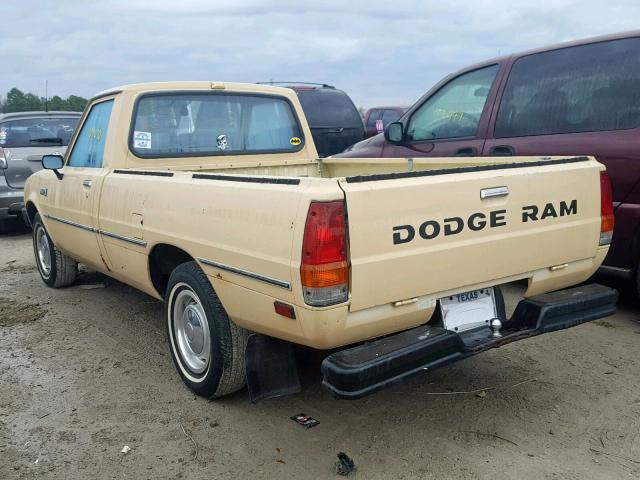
[{"x": 578, "y": 98}]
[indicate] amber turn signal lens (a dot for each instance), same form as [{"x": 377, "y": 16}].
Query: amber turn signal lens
[
  {"x": 327, "y": 275},
  {"x": 606, "y": 223}
]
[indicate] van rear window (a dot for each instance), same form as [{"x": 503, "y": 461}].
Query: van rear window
[
  {"x": 37, "y": 132},
  {"x": 329, "y": 108},
  {"x": 203, "y": 124},
  {"x": 585, "y": 88}
]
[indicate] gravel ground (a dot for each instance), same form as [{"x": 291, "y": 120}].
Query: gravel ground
[{"x": 86, "y": 370}]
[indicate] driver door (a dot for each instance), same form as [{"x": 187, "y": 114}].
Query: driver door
[
  {"x": 71, "y": 216},
  {"x": 452, "y": 121}
]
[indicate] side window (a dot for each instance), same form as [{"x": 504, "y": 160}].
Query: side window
[
  {"x": 89, "y": 147},
  {"x": 389, "y": 116},
  {"x": 373, "y": 116},
  {"x": 579, "y": 89},
  {"x": 453, "y": 111}
]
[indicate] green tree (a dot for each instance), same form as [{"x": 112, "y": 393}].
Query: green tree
[
  {"x": 32, "y": 102},
  {"x": 75, "y": 103},
  {"x": 15, "y": 101},
  {"x": 18, "y": 101},
  {"x": 57, "y": 103}
]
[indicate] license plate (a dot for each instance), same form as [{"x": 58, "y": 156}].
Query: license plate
[{"x": 465, "y": 311}]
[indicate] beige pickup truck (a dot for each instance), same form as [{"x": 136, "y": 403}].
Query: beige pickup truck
[{"x": 211, "y": 197}]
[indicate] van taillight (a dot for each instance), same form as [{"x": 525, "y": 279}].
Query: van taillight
[
  {"x": 3, "y": 159},
  {"x": 324, "y": 268},
  {"x": 606, "y": 209}
]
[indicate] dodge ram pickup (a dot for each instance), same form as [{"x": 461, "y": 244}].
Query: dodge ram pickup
[{"x": 211, "y": 197}]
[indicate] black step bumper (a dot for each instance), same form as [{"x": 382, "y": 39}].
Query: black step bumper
[{"x": 372, "y": 366}]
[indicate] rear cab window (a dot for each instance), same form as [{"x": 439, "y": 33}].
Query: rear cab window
[
  {"x": 586, "y": 88},
  {"x": 37, "y": 132},
  {"x": 327, "y": 107},
  {"x": 204, "y": 123}
]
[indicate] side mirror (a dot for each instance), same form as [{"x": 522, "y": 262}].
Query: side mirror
[
  {"x": 53, "y": 162},
  {"x": 394, "y": 132}
]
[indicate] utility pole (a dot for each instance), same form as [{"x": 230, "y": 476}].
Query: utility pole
[{"x": 46, "y": 95}]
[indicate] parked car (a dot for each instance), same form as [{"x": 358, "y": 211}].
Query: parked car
[
  {"x": 575, "y": 98},
  {"x": 376, "y": 118},
  {"x": 333, "y": 118},
  {"x": 24, "y": 138},
  {"x": 215, "y": 201}
]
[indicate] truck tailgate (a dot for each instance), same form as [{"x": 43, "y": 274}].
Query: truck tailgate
[{"x": 420, "y": 233}]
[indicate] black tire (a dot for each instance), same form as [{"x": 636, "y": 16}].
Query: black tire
[
  {"x": 224, "y": 371},
  {"x": 62, "y": 269}
]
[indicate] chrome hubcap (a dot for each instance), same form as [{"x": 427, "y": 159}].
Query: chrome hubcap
[
  {"x": 191, "y": 331},
  {"x": 43, "y": 250}
]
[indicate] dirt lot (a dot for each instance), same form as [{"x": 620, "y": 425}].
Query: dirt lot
[{"x": 86, "y": 370}]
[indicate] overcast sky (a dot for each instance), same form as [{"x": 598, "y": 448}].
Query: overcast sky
[{"x": 379, "y": 52}]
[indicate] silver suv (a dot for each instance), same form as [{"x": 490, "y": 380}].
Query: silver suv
[{"x": 24, "y": 138}]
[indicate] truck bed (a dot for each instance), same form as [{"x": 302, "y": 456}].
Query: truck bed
[{"x": 250, "y": 218}]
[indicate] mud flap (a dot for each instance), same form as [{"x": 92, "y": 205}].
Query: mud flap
[
  {"x": 25, "y": 218},
  {"x": 271, "y": 368}
]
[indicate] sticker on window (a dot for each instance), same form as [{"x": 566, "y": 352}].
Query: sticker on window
[
  {"x": 295, "y": 141},
  {"x": 222, "y": 142},
  {"x": 141, "y": 139}
]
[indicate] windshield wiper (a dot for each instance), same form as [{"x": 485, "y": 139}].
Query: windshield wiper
[{"x": 57, "y": 140}]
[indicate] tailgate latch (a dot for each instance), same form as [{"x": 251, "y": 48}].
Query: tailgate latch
[{"x": 494, "y": 192}]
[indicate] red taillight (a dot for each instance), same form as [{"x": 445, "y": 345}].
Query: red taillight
[
  {"x": 325, "y": 234},
  {"x": 606, "y": 209},
  {"x": 324, "y": 270},
  {"x": 3, "y": 159}
]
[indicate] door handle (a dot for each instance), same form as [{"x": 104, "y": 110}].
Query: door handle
[
  {"x": 502, "y": 151},
  {"x": 467, "y": 152},
  {"x": 87, "y": 183}
]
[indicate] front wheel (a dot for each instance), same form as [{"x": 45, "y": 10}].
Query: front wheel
[
  {"x": 208, "y": 349},
  {"x": 56, "y": 269}
]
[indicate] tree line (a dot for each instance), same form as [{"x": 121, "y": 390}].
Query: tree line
[{"x": 18, "y": 101}]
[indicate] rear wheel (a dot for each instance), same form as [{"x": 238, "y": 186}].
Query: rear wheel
[
  {"x": 56, "y": 269},
  {"x": 208, "y": 349}
]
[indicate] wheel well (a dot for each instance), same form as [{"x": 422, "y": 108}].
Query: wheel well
[
  {"x": 163, "y": 260},
  {"x": 31, "y": 211}
]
